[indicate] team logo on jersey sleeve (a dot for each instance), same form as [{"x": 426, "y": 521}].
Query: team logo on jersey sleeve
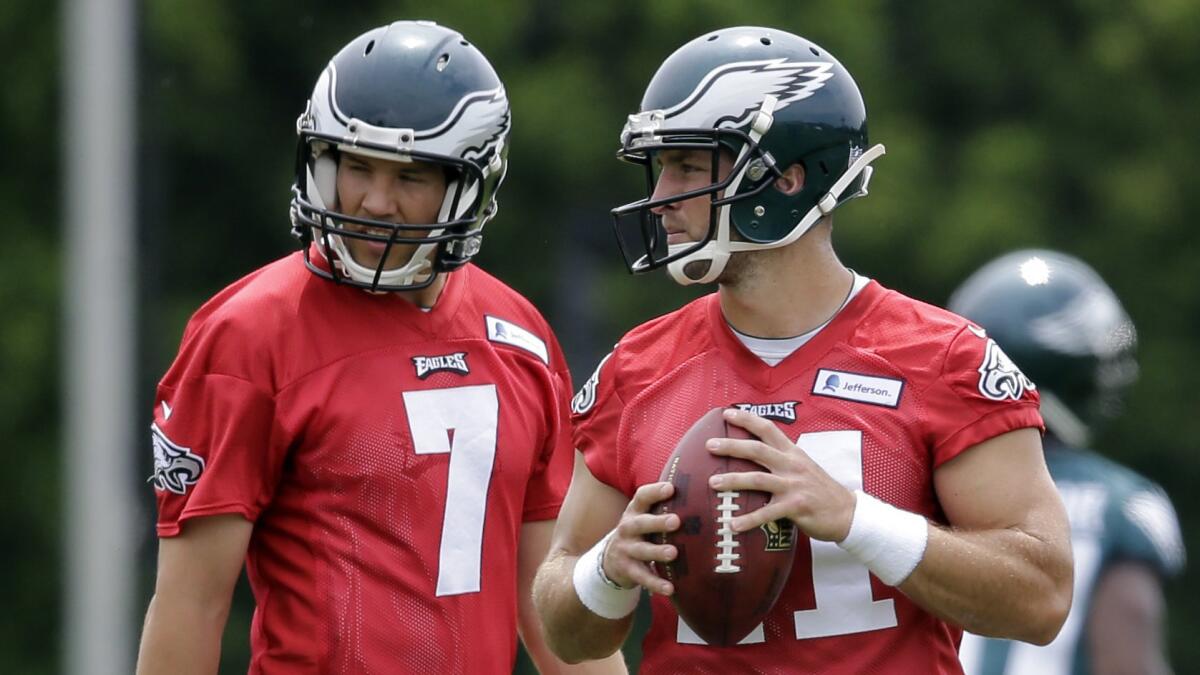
[
  {"x": 428, "y": 365},
  {"x": 783, "y": 411},
  {"x": 999, "y": 377},
  {"x": 585, "y": 398},
  {"x": 175, "y": 467}
]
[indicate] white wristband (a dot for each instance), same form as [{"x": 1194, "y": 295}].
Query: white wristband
[
  {"x": 888, "y": 540},
  {"x": 600, "y": 595}
]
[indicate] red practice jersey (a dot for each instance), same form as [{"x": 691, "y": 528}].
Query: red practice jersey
[
  {"x": 386, "y": 455},
  {"x": 882, "y": 396}
]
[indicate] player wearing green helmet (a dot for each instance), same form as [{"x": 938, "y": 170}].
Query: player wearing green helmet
[
  {"x": 767, "y": 101},
  {"x": 1066, "y": 329}
]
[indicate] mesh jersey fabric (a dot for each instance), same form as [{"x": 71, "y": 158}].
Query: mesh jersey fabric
[
  {"x": 1116, "y": 515},
  {"x": 387, "y": 456},
  {"x": 833, "y": 616}
]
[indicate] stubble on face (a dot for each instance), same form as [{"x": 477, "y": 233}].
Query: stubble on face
[{"x": 742, "y": 268}]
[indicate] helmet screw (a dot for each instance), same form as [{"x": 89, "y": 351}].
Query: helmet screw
[
  {"x": 756, "y": 170},
  {"x": 759, "y": 210}
]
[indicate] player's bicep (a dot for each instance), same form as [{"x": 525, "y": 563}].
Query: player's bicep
[
  {"x": 203, "y": 562},
  {"x": 1002, "y": 483},
  {"x": 590, "y": 510}
]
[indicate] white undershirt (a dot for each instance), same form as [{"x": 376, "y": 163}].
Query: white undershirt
[{"x": 774, "y": 350}]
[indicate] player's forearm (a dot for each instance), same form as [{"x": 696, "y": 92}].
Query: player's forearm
[
  {"x": 999, "y": 583},
  {"x": 572, "y": 631},
  {"x": 546, "y": 662},
  {"x": 181, "y": 638}
]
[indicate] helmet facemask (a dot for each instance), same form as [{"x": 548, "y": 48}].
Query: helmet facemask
[
  {"x": 641, "y": 234},
  {"x": 457, "y": 228}
]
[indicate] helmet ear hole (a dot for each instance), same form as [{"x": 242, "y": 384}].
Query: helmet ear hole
[{"x": 792, "y": 180}]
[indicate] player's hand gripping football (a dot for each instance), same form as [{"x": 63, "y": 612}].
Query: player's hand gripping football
[
  {"x": 800, "y": 489},
  {"x": 626, "y": 560}
]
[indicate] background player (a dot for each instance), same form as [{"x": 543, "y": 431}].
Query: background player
[
  {"x": 1066, "y": 328},
  {"x": 374, "y": 425},
  {"x": 920, "y": 484}
]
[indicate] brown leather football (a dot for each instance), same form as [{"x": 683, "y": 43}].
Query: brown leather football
[{"x": 725, "y": 583}]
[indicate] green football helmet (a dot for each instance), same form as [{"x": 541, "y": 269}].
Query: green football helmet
[
  {"x": 772, "y": 99},
  {"x": 1064, "y": 327}
]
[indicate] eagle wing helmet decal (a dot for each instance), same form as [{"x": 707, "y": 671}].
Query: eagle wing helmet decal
[
  {"x": 481, "y": 117},
  {"x": 736, "y": 90},
  {"x": 1092, "y": 323},
  {"x": 490, "y": 117}
]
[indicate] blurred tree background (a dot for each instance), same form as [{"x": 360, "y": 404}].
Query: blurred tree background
[{"x": 1008, "y": 124}]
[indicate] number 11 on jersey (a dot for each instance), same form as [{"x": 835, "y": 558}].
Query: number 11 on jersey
[{"x": 841, "y": 585}]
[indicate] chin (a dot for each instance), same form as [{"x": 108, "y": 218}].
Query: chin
[{"x": 368, "y": 261}]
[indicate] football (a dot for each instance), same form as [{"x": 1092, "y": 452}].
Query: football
[{"x": 725, "y": 582}]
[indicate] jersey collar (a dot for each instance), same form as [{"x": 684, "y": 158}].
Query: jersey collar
[
  {"x": 765, "y": 377},
  {"x": 430, "y": 322}
]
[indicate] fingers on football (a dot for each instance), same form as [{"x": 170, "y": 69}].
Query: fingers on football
[
  {"x": 645, "y": 551},
  {"x": 748, "y": 480},
  {"x": 648, "y": 495},
  {"x": 766, "y": 514},
  {"x": 637, "y": 526},
  {"x": 751, "y": 449},
  {"x": 765, "y": 429},
  {"x": 631, "y": 558}
]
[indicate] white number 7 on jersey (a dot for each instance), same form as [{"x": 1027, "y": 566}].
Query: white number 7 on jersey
[{"x": 472, "y": 414}]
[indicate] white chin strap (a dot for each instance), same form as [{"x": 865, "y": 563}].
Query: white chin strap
[
  {"x": 1062, "y": 422},
  {"x": 419, "y": 266},
  {"x": 716, "y": 252}
]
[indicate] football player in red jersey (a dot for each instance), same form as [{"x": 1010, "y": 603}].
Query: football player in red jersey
[
  {"x": 896, "y": 436},
  {"x": 375, "y": 427}
]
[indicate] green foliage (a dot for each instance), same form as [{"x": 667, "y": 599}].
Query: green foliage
[
  {"x": 29, "y": 335},
  {"x": 1008, "y": 124}
]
